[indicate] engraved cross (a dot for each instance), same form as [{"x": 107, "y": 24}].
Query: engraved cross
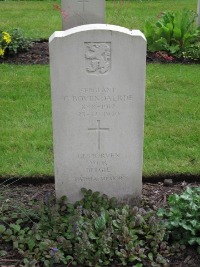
[
  {"x": 83, "y": 2},
  {"x": 98, "y": 129}
]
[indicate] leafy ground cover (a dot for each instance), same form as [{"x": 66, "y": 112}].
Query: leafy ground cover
[{"x": 25, "y": 235}]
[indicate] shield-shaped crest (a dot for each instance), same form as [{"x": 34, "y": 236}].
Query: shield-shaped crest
[{"x": 98, "y": 58}]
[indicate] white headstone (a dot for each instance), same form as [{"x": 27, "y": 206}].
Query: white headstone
[
  {"x": 81, "y": 12},
  {"x": 98, "y": 93},
  {"x": 198, "y": 12}
]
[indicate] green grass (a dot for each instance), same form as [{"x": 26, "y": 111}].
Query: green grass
[
  {"x": 133, "y": 14},
  {"x": 172, "y": 121},
  {"x": 38, "y": 19},
  {"x": 26, "y": 134}
]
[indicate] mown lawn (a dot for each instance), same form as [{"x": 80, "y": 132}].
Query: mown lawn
[
  {"x": 133, "y": 14},
  {"x": 39, "y": 19},
  {"x": 26, "y": 135},
  {"x": 172, "y": 120}
]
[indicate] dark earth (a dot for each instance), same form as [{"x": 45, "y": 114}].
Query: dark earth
[
  {"x": 39, "y": 54},
  {"x": 155, "y": 190}
]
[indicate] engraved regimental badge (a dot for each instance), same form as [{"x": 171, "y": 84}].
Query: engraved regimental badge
[{"x": 98, "y": 58}]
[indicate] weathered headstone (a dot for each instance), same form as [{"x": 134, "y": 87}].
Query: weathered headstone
[
  {"x": 198, "y": 12},
  {"x": 81, "y": 12},
  {"x": 98, "y": 91}
]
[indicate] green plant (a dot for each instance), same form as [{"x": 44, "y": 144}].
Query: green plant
[
  {"x": 183, "y": 217},
  {"x": 18, "y": 42},
  {"x": 5, "y": 40},
  {"x": 95, "y": 231},
  {"x": 173, "y": 32},
  {"x": 192, "y": 52}
]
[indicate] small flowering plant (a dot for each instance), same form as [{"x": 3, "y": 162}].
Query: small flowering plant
[
  {"x": 164, "y": 55},
  {"x": 5, "y": 40}
]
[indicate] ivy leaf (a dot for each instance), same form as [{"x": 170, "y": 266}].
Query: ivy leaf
[
  {"x": 150, "y": 256},
  {"x": 15, "y": 227},
  {"x": 114, "y": 222},
  {"x": 2, "y": 228},
  {"x": 38, "y": 237},
  {"x": 15, "y": 244},
  {"x": 31, "y": 244},
  {"x": 3, "y": 253},
  {"x": 92, "y": 236},
  {"x": 100, "y": 222}
]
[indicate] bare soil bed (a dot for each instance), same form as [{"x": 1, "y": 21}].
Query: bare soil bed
[{"x": 39, "y": 54}]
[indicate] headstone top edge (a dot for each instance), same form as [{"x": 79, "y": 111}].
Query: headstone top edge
[{"x": 90, "y": 27}]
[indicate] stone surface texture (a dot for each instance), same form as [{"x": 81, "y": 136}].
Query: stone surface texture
[
  {"x": 98, "y": 94},
  {"x": 81, "y": 12}
]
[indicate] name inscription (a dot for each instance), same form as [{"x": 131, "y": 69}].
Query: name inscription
[
  {"x": 100, "y": 98},
  {"x": 99, "y": 101}
]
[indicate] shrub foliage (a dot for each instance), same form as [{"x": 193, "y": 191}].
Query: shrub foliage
[
  {"x": 5, "y": 40},
  {"x": 174, "y": 33},
  {"x": 13, "y": 42},
  {"x": 19, "y": 42}
]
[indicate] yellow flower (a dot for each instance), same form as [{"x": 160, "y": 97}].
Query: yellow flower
[
  {"x": 6, "y": 37},
  {"x": 1, "y": 52}
]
